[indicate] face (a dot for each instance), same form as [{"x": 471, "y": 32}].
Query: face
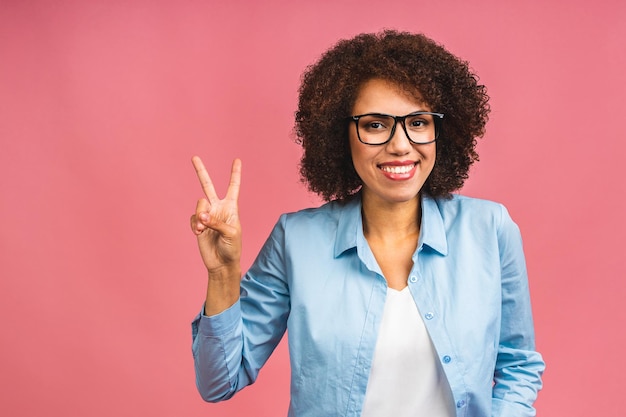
[{"x": 396, "y": 171}]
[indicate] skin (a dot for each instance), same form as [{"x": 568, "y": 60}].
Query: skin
[
  {"x": 217, "y": 227},
  {"x": 391, "y": 202}
]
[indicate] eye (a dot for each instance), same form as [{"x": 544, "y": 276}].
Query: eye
[
  {"x": 420, "y": 122},
  {"x": 375, "y": 123}
]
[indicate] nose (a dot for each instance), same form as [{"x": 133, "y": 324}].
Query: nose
[{"x": 399, "y": 143}]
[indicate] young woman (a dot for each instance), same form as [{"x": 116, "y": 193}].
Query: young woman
[{"x": 400, "y": 297}]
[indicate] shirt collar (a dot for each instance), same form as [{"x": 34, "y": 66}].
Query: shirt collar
[
  {"x": 350, "y": 225},
  {"x": 433, "y": 233}
]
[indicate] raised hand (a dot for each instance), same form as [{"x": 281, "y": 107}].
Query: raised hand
[{"x": 216, "y": 222}]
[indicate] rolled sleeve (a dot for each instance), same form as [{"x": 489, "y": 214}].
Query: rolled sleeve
[
  {"x": 216, "y": 348},
  {"x": 518, "y": 366}
]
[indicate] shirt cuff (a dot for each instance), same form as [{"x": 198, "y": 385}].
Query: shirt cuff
[{"x": 221, "y": 323}]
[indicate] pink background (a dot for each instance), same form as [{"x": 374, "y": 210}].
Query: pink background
[{"x": 103, "y": 103}]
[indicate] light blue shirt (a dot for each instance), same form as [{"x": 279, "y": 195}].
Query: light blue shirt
[{"x": 317, "y": 276}]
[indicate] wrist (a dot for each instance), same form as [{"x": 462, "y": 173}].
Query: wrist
[
  {"x": 227, "y": 272},
  {"x": 222, "y": 289}
]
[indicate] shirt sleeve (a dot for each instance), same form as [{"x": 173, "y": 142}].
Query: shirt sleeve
[
  {"x": 517, "y": 377},
  {"x": 230, "y": 348}
]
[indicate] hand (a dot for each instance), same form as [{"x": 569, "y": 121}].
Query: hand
[{"x": 216, "y": 222}]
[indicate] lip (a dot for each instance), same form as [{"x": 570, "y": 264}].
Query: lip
[{"x": 399, "y": 176}]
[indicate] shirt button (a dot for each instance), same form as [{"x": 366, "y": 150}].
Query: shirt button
[
  {"x": 429, "y": 316},
  {"x": 460, "y": 404},
  {"x": 447, "y": 359},
  {"x": 413, "y": 278}
]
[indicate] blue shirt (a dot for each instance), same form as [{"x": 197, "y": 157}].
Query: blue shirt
[{"x": 317, "y": 276}]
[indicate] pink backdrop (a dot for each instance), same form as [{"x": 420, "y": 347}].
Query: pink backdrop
[{"x": 102, "y": 104}]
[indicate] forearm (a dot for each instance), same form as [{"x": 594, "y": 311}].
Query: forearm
[
  {"x": 237, "y": 333},
  {"x": 222, "y": 289}
]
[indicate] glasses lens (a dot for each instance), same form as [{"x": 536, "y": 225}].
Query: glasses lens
[
  {"x": 420, "y": 127},
  {"x": 375, "y": 128}
]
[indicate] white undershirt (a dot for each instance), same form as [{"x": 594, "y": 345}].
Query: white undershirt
[{"x": 406, "y": 377}]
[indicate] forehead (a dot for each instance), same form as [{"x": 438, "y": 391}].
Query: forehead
[{"x": 383, "y": 96}]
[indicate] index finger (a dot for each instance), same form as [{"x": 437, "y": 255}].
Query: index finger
[{"x": 205, "y": 179}]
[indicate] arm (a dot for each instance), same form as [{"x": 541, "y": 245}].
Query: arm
[
  {"x": 234, "y": 335},
  {"x": 230, "y": 348},
  {"x": 217, "y": 228},
  {"x": 519, "y": 367}
]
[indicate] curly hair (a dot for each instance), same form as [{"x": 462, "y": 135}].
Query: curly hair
[{"x": 421, "y": 67}]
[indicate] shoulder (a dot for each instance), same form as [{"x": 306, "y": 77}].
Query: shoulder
[
  {"x": 328, "y": 214},
  {"x": 458, "y": 202},
  {"x": 316, "y": 230},
  {"x": 475, "y": 222},
  {"x": 317, "y": 222},
  {"x": 463, "y": 213},
  {"x": 460, "y": 207}
]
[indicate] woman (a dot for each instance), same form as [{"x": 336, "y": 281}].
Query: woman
[{"x": 400, "y": 298}]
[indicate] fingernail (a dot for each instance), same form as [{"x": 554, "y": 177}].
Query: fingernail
[{"x": 204, "y": 217}]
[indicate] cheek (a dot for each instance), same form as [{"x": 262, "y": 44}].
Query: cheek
[
  {"x": 431, "y": 160},
  {"x": 430, "y": 153},
  {"x": 361, "y": 157}
]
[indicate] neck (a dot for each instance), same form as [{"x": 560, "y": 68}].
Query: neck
[{"x": 391, "y": 221}]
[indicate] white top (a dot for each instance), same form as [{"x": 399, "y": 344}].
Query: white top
[{"x": 406, "y": 377}]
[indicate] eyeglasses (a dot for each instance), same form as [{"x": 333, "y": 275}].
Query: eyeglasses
[{"x": 421, "y": 127}]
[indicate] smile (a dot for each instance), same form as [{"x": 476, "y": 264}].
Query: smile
[{"x": 403, "y": 169}]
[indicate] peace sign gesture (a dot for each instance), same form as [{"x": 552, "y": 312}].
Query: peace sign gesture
[{"x": 216, "y": 224}]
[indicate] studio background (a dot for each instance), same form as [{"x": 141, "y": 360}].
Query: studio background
[{"x": 103, "y": 103}]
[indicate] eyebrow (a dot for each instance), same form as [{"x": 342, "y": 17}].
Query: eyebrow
[{"x": 394, "y": 115}]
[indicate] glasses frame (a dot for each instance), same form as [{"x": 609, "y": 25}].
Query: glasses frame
[{"x": 437, "y": 118}]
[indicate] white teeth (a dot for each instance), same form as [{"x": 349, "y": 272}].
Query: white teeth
[{"x": 397, "y": 169}]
